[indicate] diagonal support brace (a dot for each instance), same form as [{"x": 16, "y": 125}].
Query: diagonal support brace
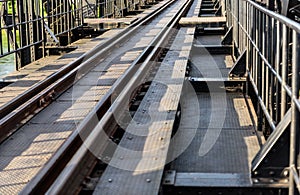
[
  {"x": 227, "y": 39},
  {"x": 273, "y": 156},
  {"x": 239, "y": 67}
]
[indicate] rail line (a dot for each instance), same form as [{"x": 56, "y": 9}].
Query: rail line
[
  {"x": 43, "y": 93},
  {"x": 97, "y": 139},
  {"x": 25, "y": 106}
]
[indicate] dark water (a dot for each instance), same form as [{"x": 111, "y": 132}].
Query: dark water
[{"x": 7, "y": 65}]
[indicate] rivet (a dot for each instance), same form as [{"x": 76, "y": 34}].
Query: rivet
[
  {"x": 121, "y": 157},
  {"x": 110, "y": 180},
  {"x": 161, "y": 138},
  {"x": 130, "y": 138},
  {"x": 255, "y": 180},
  {"x": 286, "y": 181},
  {"x": 148, "y": 180}
]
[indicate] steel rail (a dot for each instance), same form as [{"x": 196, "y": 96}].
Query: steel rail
[
  {"x": 42, "y": 93},
  {"x": 97, "y": 139},
  {"x": 39, "y": 183}
]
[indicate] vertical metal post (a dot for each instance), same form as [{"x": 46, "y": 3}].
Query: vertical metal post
[
  {"x": 69, "y": 19},
  {"x": 22, "y": 28},
  {"x": 271, "y": 55},
  {"x": 277, "y": 62},
  {"x": 43, "y": 19},
  {"x": 235, "y": 25},
  {"x": 259, "y": 68},
  {"x": 262, "y": 49},
  {"x": 31, "y": 26},
  {"x": 284, "y": 69},
  {"x": 295, "y": 126},
  {"x": 17, "y": 56},
  {"x": 254, "y": 37}
]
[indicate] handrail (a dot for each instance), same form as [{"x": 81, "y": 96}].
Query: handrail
[
  {"x": 272, "y": 42},
  {"x": 283, "y": 19}
]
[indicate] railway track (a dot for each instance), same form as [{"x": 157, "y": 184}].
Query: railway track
[
  {"x": 52, "y": 177},
  {"x": 24, "y": 106}
]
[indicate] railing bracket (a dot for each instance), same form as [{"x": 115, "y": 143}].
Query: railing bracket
[
  {"x": 227, "y": 39},
  {"x": 239, "y": 68}
]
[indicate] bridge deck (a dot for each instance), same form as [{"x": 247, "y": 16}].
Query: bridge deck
[
  {"x": 29, "y": 149},
  {"x": 218, "y": 149}
]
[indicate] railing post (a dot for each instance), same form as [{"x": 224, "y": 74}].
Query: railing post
[
  {"x": 284, "y": 70},
  {"x": 295, "y": 125}
]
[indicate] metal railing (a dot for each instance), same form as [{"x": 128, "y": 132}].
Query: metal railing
[
  {"x": 272, "y": 45},
  {"x": 63, "y": 16},
  {"x": 27, "y": 26}
]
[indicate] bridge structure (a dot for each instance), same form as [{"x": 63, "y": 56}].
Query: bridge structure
[{"x": 189, "y": 97}]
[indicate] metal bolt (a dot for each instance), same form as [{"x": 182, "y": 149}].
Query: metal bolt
[
  {"x": 255, "y": 180},
  {"x": 286, "y": 181},
  {"x": 285, "y": 173}
]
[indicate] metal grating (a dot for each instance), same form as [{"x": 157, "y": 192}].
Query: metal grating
[{"x": 236, "y": 143}]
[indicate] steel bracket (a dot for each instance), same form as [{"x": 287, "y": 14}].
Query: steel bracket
[
  {"x": 272, "y": 161},
  {"x": 219, "y": 11},
  {"x": 239, "y": 68},
  {"x": 169, "y": 177},
  {"x": 227, "y": 39}
]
